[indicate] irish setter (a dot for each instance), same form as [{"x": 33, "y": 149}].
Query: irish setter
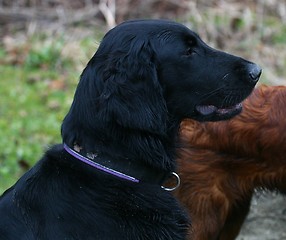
[{"x": 223, "y": 162}]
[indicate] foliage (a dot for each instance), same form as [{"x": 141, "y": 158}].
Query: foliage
[{"x": 36, "y": 90}]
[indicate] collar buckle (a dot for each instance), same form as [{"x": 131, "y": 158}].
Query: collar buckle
[{"x": 170, "y": 189}]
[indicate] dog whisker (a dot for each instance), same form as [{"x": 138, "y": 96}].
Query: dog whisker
[{"x": 214, "y": 92}]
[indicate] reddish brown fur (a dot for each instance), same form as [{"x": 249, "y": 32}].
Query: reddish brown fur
[{"x": 224, "y": 162}]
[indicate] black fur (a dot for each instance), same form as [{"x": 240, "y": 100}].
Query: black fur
[{"x": 143, "y": 80}]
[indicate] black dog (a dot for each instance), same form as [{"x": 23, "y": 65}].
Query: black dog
[{"x": 119, "y": 138}]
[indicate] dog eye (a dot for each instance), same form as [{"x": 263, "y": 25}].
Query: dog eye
[
  {"x": 191, "y": 47},
  {"x": 190, "y": 51}
]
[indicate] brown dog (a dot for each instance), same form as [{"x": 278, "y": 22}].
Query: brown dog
[{"x": 223, "y": 162}]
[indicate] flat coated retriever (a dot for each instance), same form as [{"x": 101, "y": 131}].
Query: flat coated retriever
[
  {"x": 105, "y": 181},
  {"x": 225, "y": 161}
]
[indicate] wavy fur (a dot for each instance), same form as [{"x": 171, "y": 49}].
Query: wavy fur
[{"x": 224, "y": 162}]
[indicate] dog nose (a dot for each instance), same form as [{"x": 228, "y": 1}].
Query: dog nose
[{"x": 254, "y": 73}]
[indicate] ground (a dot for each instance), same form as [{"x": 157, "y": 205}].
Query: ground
[{"x": 267, "y": 218}]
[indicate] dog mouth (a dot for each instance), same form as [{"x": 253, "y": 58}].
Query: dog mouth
[{"x": 211, "y": 110}]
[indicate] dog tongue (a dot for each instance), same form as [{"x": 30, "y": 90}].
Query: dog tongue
[
  {"x": 206, "y": 109},
  {"x": 209, "y": 109}
]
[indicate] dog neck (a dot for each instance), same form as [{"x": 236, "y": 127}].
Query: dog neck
[{"x": 133, "y": 171}]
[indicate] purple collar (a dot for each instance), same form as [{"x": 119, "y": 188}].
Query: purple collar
[
  {"x": 146, "y": 174},
  {"x": 99, "y": 166}
]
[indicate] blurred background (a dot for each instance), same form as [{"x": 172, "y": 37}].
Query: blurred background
[{"x": 45, "y": 44}]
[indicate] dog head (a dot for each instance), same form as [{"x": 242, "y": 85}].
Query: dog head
[{"x": 147, "y": 71}]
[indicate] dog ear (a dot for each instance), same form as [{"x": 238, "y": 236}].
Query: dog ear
[
  {"x": 118, "y": 87},
  {"x": 133, "y": 96}
]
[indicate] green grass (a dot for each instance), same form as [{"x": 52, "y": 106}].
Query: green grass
[
  {"x": 31, "y": 115},
  {"x": 35, "y": 95}
]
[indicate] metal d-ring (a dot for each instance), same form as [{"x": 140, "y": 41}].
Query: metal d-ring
[{"x": 177, "y": 185}]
